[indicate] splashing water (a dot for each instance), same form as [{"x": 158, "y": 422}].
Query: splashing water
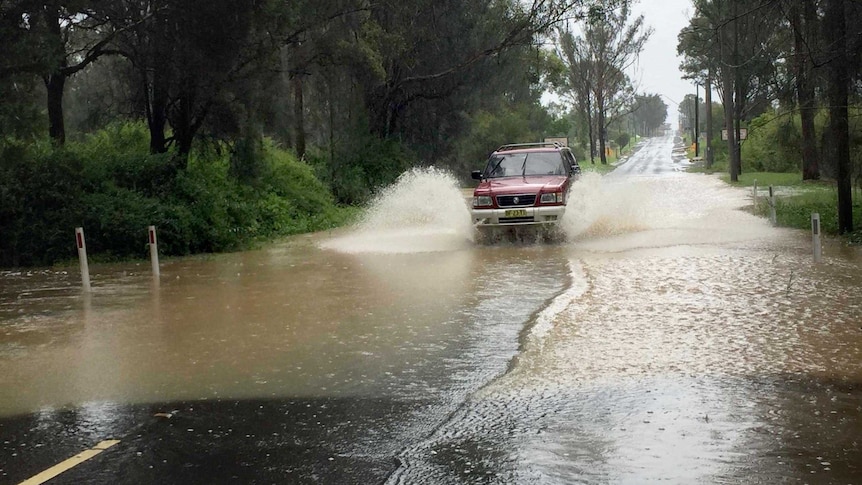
[
  {"x": 598, "y": 208},
  {"x": 423, "y": 211}
]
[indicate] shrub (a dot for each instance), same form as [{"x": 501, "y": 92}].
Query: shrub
[
  {"x": 774, "y": 144},
  {"x": 109, "y": 184}
]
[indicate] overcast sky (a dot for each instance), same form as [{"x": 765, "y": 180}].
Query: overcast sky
[{"x": 658, "y": 67}]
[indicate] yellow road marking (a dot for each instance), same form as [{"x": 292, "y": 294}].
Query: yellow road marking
[{"x": 69, "y": 464}]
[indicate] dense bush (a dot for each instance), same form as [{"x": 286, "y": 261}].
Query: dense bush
[
  {"x": 774, "y": 144},
  {"x": 109, "y": 184}
]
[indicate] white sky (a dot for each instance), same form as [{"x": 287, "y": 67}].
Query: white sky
[{"x": 658, "y": 66}]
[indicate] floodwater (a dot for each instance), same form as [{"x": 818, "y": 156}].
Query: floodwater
[{"x": 672, "y": 336}]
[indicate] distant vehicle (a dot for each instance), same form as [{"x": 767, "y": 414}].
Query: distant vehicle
[{"x": 524, "y": 184}]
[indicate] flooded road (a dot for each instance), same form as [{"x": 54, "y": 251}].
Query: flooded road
[{"x": 672, "y": 337}]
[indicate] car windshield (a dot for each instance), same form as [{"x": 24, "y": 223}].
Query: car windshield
[{"x": 517, "y": 164}]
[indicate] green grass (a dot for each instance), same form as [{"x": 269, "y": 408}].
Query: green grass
[
  {"x": 796, "y": 199},
  {"x": 597, "y": 167},
  {"x": 717, "y": 167},
  {"x": 795, "y": 211},
  {"x": 765, "y": 179}
]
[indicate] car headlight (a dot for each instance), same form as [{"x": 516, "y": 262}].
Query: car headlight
[
  {"x": 482, "y": 201},
  {"x": 552, "y": 198}
]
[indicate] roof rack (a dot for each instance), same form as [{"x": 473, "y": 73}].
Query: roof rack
[{"x": 517, "y": 146}]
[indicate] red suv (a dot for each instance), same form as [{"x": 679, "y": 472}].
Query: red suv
[{"x": 524, "y": 184}]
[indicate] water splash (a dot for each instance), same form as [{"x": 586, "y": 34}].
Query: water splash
[
  {"x": 598, "y": 208},
  {"x": 423, "y": 211}
]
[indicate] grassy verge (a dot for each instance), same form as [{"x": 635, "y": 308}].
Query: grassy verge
[
  {"x": 796, "y": 200},
  {"x": 598, "y": 167}
]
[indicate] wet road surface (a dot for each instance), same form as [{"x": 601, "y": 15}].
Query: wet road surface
[{"x": 673, "y": 337}]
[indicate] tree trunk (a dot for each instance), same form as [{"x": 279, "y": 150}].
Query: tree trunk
[
  {"x": 737, "y": 119},
  {"x": 55, "y": 81},
  {"x": 696, "y": 120},
  {"x": 803, "y": 28},
  {"x": 739, "y": 99},
  {"x": 592, "y": 133},
  {"x": 835, "y": 26},
  {"x": 298, "y": 115},
  {"x": 727, "y": 95},
  {"x": 156, "y": 100},
  {"x": 55, "y": 84},
  {"x": 708, "y": 100},
  {"x": 600, "y": 125},
  {"x": 183, "y": 125}
]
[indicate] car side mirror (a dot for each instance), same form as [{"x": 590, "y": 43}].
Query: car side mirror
[
  {"x": 476, "y": 175},
  {"x": 576, "y": 169}
]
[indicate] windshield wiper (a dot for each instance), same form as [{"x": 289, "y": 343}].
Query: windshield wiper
[
  {"x": 524, "y": 167},
  {"x": 495, "y": 167}
]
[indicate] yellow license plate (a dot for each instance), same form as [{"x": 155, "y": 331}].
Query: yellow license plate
[{"x": 516, "y": 213}]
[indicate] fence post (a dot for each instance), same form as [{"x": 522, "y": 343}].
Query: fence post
[
  {"x": 154, "y": 250},
  {"x": 82, "y": 256},
  {"x": 815, "y": 236}
]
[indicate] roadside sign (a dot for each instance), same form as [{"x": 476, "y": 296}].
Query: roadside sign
[
  {"x": 743, "y": 134},
  {"x": 563, "y": 141}
]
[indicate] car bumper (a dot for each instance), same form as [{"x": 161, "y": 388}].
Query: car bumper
[{"x": 530, "y": 216}]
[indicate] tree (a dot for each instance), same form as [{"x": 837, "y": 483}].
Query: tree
[
  {"x": 649, "y": 113},
  {"x": 578, "y": 82},
  {"x": 614, "y": 45},
  {"x": 22, "y": 58},
  {"x": 835, "y": 30},
  {"x": 68, "y": 36},
  {"x": 188, "y": 55},
  {"x": 803, "y": 18},
  {"x": 736, "y": 41}
]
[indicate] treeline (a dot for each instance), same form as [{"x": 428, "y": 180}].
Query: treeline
[
  {"x": 224, "y": 94},
  {"x": 596, "y": 56},
  {"x": 788, "y": 71}
]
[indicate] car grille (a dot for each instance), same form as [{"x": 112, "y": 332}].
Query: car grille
[
  {"x": 516, "y": 220},
  {"x": 510, "y": 200}
]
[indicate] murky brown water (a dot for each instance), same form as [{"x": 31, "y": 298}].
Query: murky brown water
[{"x": 673, "y": 337}]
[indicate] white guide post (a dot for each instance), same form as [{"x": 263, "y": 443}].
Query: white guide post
[
  {"x": 772, "y": 217},
  {"x": 754, "y": 197},
  {"x": 154, "y": 250},
  {"x": 815, "y": 236},
  {"x": 82, "y": 256}
]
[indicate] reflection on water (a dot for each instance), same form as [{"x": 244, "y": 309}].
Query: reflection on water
[{"x": 260, "y": 323}]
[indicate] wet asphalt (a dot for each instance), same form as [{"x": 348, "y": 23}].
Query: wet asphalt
[
  {"x": 251, "y": 441},
  {"x": 357, "y": 441}
]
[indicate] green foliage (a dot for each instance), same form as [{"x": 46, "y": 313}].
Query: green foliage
[
  {"x": 765, "y": 179},
  {"x": 112, "y": 187},
  {"x": 507, "y": 124},
  {"x": 795, "y": 210},
  {"x": 623, "y": 140},
  {"x": 40, "y": 203},
  {"x": 774, "y": 144}
]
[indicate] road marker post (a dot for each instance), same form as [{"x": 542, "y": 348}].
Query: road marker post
[
  {"x": 82, "y": 256},
  {"x": 154, "y": 250},
  {"x": 815, "y": 236},
  {"x": 772, "y": 217},
  {"x": 754, "y": 196}
]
